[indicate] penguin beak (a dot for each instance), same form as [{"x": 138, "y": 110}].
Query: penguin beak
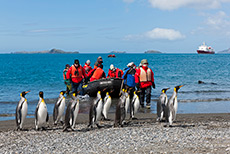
[
  {"x": 181, "y": 86},
  {"x": 27, "y": 92}
]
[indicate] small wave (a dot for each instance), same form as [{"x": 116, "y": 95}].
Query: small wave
[
  {"x": 204, "y": 100},
  {"x": 205, "y": 91},
  {"x": 12, "y": 115}
]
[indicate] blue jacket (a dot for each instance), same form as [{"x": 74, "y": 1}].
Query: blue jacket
[{"x": 128, "y": 77}]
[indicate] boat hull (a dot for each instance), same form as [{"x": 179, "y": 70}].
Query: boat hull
[
  {"x": 111, "y": 85},
  {"x": 205, "y": 52}
]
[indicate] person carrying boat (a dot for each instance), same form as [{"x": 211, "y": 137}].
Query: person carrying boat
[
  {"x": 67, "y": 81},
  {"x": 98, "y": 62},
  {"x": 87, "y": 66},
  {"x": 114, "y": 72},
  {"x": 144, "y": 79},
  {"x": 98, "y": 73},
  {"x": 76, "y": 73}
]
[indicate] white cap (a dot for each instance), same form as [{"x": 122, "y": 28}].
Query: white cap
[
  {"x": 130, "y": 64},
  {"x": 112, "y": 67},
  {"x": 88, "y": 62}
]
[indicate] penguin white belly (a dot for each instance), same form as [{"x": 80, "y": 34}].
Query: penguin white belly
[
  {"x": 136, "y": 105},
  {"x": 106, "y": 107},
  {"x": 23, "y": 113},
  {"x": 175, "y": 108},
  {"x": 99, "y": 110},
  {"x": 75, "y": 114},
  {"x": 127, "y": 103},
  {"x": 61, "y": 109},
  {"x": 42, "y": 114}
]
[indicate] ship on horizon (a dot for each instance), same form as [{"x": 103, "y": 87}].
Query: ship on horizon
[{"x": 204, "y": 49}]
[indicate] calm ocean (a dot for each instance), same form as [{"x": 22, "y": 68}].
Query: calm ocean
[{"x": 43, "y": 72}]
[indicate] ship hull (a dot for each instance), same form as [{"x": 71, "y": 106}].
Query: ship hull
[{"x": 205, "y": 52}]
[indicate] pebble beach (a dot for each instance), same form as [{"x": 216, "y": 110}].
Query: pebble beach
[{"x": 191, "y": 133}]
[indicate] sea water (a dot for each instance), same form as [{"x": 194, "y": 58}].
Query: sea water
[{"x": 44, "y": 72}]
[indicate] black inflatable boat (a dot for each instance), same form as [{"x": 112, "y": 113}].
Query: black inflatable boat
[{"x": 111, "y": 85}]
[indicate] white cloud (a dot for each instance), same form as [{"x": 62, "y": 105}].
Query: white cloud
[
  {"x": 218, "y": 21},
  {"x": 214, "y": 24},
  {"x": 158, "y": 34},
  {"x": 128, "y": 1},
  {"x": 175, "y": 4}
]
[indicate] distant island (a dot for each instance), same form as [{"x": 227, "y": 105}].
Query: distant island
[
  {"x": 52, "y": 51},
  {"x": 225, "y": 51},
  {"x": 117, "y": 52},
  {"x": 152, "y": 51}
]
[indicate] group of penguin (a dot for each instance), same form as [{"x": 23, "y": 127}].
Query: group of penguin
[
  {"x": 98, "y": 110},
  {"x": 167, "y": 108}
]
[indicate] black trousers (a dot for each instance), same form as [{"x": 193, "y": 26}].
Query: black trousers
[{"x": 146, "y": 90}]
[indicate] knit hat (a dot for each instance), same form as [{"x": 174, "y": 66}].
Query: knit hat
[
  {"x": 88, "y": 62},
  {"x": 76, "y": 61},
  {"x": 111, "y": 67},
  {"x": 144, "y": 61},
  {"x": 130, "y": 64}
]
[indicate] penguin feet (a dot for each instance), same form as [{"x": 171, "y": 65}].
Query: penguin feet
[
  {"x": 98, "y": 126},
  {"x": 106, "y": 119}
]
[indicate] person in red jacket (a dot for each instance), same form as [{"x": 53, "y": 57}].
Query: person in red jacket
[
  {"x": 76, "y": 73},
  {"x": 144, "y": 79},
  {"x": 98, "y": 62},
  {"x": 114, "y": 72},
  {"x": 87, "y": 67},
  {"x": 98, "y": 73}
]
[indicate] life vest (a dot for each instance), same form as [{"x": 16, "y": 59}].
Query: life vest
[
  {"x": 111, "y": 74},
  {"x": 145, "y": 76},
  {"x": 117, "y": 71},
  {"x": 98, "y": 73},
  {"x": 76, "y": 72}
]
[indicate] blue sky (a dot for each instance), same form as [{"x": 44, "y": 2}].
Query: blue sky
[{"x": 92, "y": 26}]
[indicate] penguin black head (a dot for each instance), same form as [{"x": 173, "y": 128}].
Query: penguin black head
[
  {"x": 41, "y": 94},
  {"x": 23, "y": 94},
  {"x": 164, "y": 90},
  {"x": 177, "y": 88},
  {"x": 62, "y": 92}
]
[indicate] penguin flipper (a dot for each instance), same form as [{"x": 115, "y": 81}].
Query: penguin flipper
[
  {"x": 47, "y": 117},
  {"x": 36, "y": 113}
]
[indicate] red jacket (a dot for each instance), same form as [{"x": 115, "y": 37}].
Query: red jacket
[
  {"x": 112, "y": 74},
  {"x": 87, "y": 68},
  {"x": 98, "y": 74},
  {"x": 74, "y": 76},
  {"x": 144, "y": 84}
]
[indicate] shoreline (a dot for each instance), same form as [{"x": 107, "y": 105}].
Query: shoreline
[{"x": 83, "y": 118}]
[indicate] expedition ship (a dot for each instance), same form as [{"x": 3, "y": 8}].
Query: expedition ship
[{"x": 204, "y": 49}]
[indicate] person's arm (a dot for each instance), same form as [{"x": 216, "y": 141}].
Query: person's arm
[{"x": 68, "y": 73}]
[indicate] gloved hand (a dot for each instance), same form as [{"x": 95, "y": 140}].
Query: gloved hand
[
  {"x": 138, "y": 85},
  {"x": 153, "y": 85}
]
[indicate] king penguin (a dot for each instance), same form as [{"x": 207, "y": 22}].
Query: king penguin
[
  {"x": 59, "y": 108},
  {"x": 106, "y": 106},
  {"x": 120, "y": 110},
  {"x": 95, "y": 110},
  {"x": 172, "y": 106},
  {"x": 72, "y": 113},
  {"x": 161, "y": 105},
  {"x": 135, "y": 105},
  {"x": 41, "y": 113},
  {"x": 21, "y": 110}
]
